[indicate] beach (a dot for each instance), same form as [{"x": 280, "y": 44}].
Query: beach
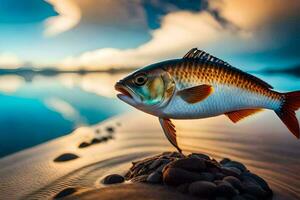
[{"x": 109, "y": 148}]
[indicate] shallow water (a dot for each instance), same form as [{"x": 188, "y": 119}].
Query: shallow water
[
  {"x": 39, "y": 108},
  {"x": 262, "y": 142}
]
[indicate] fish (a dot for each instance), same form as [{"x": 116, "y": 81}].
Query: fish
[{"x": 200, "y": 85}]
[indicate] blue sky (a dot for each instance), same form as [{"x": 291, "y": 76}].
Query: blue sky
[{"x": 117, "y": 33}]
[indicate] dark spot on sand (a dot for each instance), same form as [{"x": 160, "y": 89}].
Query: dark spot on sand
[
  {"x": 66, "y": 157},
  {"x": 113, "y": 179},
  {"x": 65, "y": 192},
  {"x": 110, "y": 129},
  {"x": 97, "y": 131},
  {"x": 84, "y": 144}
]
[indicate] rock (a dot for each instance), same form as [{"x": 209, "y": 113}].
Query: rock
[
  {"x": 235, "y": 182},
  {"x": 238, "y": 197},
  {"x": 262, "y": 183},
  {"x": 110, "y": 129},
  {"x": 139, "y": 179},
  {"x": 220, "y": 198},
  {"x": 177, "y": 176},
  {"x": 65, "y": 192},
  {"x": 84, "y": 144},
  {"x": 219, "y": 176},
  {"x": 236, "y": 164},
  {"x": 202, "y": 189},
  {"x": 224, "y": 161},
  {"x": 154, "y": 177},
  {"x": 199, "y": 155},
  {"x": 249, "y": 197},
  {"x": 161, "y": 168},
  {"x": 190, "y": 164},
  {"x": 183, "y": 188},
  {"x": 113, "y": 179},
  {"x": 214, "y": 170},
  {"x": 155, "y": 164},
  {"x": 206, "y": 176},
  {"x": 225, "y": 189},
  {"x": 254, "y": 190},
  {"x": 66, "y": 157},
  {"x": 231, "y": 171}
]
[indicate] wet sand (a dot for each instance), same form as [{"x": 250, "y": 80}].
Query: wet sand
[{"x": 261, "y": 142}]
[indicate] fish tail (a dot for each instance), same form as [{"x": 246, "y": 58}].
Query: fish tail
[{"x": 290, "y": 103}]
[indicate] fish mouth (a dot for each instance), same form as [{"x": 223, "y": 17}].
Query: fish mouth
[{"x": 124, "y": 91}]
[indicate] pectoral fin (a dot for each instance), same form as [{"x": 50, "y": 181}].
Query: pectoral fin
[
  {"x": 195, "y": 94},
  {"x": 238, "y": 115},
  {"x": 170, "y": 132}
]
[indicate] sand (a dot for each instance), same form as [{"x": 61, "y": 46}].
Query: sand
[{"x": 262, "y": 143}]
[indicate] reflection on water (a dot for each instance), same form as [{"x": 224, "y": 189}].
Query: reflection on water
[{"x": 41, "y": 108}]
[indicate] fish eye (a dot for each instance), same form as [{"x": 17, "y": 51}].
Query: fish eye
[{"x": 140, "y": 79}]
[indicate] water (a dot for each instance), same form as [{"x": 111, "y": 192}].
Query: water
[{"x": 36, "y": 109}]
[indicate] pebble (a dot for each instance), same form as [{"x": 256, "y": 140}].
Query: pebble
[
  {"x": 191, "y": 164},
  {"x": 198, "y": 174},
  {"x": 225, "y": 189},
  {"x": 231, "y": 171},
  {"x": 202, "y": 189},
  {"x": 236, "y": 164},
  {"x": 219, "y": 176},
  {"x": 84, "y": 144},
  {"x": 65, "y": 192},
  {"x": 113, "y": 179},
  {"x": 154, "y": 177},
  {"x": 224, "y": 161},
  {"x": 199, "y": 155},
  {"x": 254, "y": 190},
  {"x": 206, "y": 176},
  {"x": 155, "y": 164},
  {"x": 257, "y": 179},
  {"x": 249, "y": 197},
  {"x": 177, "y": 176},
  {"x": 238, "y": 197},
  {"x": 139, "y": 179},
  {"x": 183, "y": 188},
  {"x": 235, "y": 182},
  {"x": 66, "y": 157}
]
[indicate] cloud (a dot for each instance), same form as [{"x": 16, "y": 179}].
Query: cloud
[
  {"x": 9, "y": 60},
  {"x": 251, "y": 16},
  {"x": 252, "y": 33},
  {"x": 179, "y": 32},
  {"x": 69, "y": 16}
]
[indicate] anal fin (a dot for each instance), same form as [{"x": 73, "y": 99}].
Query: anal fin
[{"x": 238, "y": 115}]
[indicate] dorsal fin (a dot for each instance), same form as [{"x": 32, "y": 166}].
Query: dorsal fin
[
  {"x": 199, "y": 54},
  {"x": 195, "y": 53}
]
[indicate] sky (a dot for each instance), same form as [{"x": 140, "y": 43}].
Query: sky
[{"x": 100, "y": 34}]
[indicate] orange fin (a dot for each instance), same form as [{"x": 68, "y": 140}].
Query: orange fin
[
  {"x": 291, "y": 103},
  {"x": 195, "y": 94},
  {"x": 238, "y": 115},
  {"x": 170, "y": 131}
]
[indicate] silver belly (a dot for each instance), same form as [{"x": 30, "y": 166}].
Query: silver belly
[{"x": 224, "y": 99}]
